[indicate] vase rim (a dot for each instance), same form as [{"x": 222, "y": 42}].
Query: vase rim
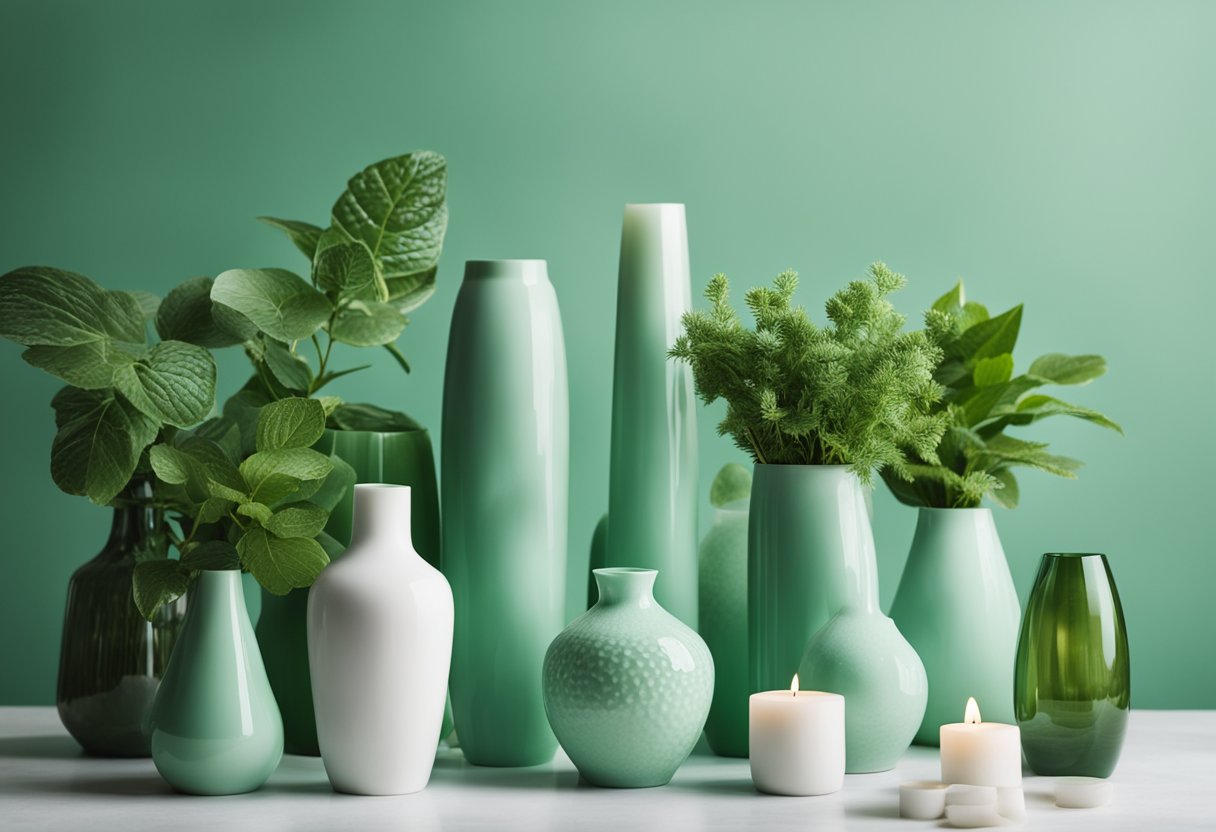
[
  {"x": 654, "y": 204},
  {"x": 1071, "y": 555},
  {"x": 624, "y": 570},
  {"x": 419, "y": 429},
  {"x": 955, "y": 508},
  {"x": 800, "y": 465}
]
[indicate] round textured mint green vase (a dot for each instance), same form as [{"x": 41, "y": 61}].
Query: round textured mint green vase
[
  {"x": 957, "y": 607},
  {"x": 214, "y": 726},
  {"x": 1072, "y": 686},
  {"x": 723, "y": 604},
  {"x": 627, "y": 685},
  {"x": 396, "y": 457},
  {"x": 861, "y": 655}
]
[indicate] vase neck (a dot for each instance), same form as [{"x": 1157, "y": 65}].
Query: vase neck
[
  {"x": 218, "y": 589},
  {"x": 626, "y": 587},
  {"x": 134, "y": 519},
  {"x": 382, "y": 513}
]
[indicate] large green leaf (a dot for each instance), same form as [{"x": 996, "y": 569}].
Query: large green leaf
[
  {"x": 407, "y": 292},
  {"x": 1033, "y": 408},
  {"x": 1007, "y": 495},
  {"x": 349, "y": 272},
  {"x": 364, "y": 323},
  {"x": 99, "y": 443},
  {"x": 276, "y": 301},
  {"x": 174, "y": 384},
  {"x": 288, "y": 369},
  {"x": 157, "y": 582},
  {"x": 398, "y": 208},
  {"x": 44, "y": 306},
  {"x": 274, "y": 475},
  {"x": 335, "y": 485},
  {"x": 1005, "y": 450},
  {"x": 303, "y": 234},
  {"x": 992, "y": 371},
  {"x": 186, "y": 315},
  {"x": 290, "y": 423},
  {"x": 281, "y": 564},
  {"x": 989, "y": 338},
  {"x": 211, "y": 554},
  {"x": 1058, "y": 368},
  {"x": 297, "y": 520},
  {"x": 149, "y": 304},
  {"x": 90, "y": 365}
]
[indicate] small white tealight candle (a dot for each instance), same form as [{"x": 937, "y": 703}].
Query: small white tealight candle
[
  {"x": 796, "y": 741},
  {"x": 981, "y": 753},
  {"x": 922, "y": 799},
  {"x": 1083, "y": 792},
  {"x": 974, "y": 817}
]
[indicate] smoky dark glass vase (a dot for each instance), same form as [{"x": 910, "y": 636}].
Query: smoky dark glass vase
[
  {"x": 111, "y": 659},
  {"x": 1072, "y": 681}
]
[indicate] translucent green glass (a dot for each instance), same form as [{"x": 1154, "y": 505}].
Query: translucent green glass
[{"x": 1072, "y": 683}]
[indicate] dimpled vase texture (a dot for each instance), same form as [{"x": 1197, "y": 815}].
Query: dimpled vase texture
[
  {"x": 861, "y": 655},
  {"x": 400, "y": 457},
  {"x": 652, "y": 489},
  {"x": 723, "y": 612},
  {"x": 380, "y": 645},
  {"x": 628, "y": 685},
  {"x": 214, "y": 725},
  {"x": 957, "y": 607},
  {"x": 1072, "y": 686},
  {"x": 810, "y": 554},
  {"x": 506, "y": 437}
]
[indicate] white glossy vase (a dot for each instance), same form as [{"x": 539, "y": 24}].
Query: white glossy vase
[{"x": 379, "y": 649}]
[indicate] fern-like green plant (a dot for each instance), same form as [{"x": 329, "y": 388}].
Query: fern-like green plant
[
  {"x": 858, "y": 392},
  {"x": 982, "y": 398}
]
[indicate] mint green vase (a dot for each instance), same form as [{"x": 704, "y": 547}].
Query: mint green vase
[
  {"x": 957, "y": 607},
  {"x": 627, "y": 685},
  {"x": 723, "y": 612},
  {"x": 214, "y": 726},
  {"x": 810, "y": 555},
  {"x": 505, "y": 477},
  {"x": 395, "y": 457},
  {"x": 652, "y": 489},
  {"x": 1072, "y": 685}
]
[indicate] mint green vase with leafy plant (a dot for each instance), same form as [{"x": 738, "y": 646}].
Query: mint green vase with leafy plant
[
  {"x": 819, "y": 409},
  {"x": 372, "y": 265},
  {"x": 956, "y": 602}
]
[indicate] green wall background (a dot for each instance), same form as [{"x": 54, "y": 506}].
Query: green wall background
[{"x": 1059, "y": 154}]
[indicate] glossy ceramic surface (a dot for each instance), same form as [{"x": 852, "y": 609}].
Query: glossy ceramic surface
[
  {"x": 380, "y": 645},
  {"x": 810, "y": 554},
  {"x": 1072, "y": 685},
  {"x": 628, "y": 685},
  {"x": 652, "y": 493},
  {"x": 111, "y": 659},
  {"x": 723, "y": 612},
  {"x": 215, "y": 727},
  {"x": 861, "y": 655},
  {"x": 505, "y": 476},
  {"x": 957, "y": 607},
  {"x": 403, "y": 458}
]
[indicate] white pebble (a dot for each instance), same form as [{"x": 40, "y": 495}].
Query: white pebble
[
  {"x": 922, "y": 799},
  {"x": 973, "y": 817},
  {"x": 1083, "y": 792}
]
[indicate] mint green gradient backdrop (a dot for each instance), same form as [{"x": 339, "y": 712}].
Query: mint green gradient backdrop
[{"x": 1059, "y": 154}]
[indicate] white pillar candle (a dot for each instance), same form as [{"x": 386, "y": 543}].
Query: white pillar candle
[
  {"x": 1011, "y": 803},
  {"x": 981, "y": 753},
  {"x": 796, "y": 741},
  {"x": 963, "y": 795},
  {"x": 1083, "y": 792},
  {"x": 922, "y": 799}
]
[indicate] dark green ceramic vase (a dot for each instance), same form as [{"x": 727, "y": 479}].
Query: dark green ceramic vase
[
  {"x": 111, "y": 659},
  {"x": 399, "y": 457},
  {"x": 1072, "y": 683}
]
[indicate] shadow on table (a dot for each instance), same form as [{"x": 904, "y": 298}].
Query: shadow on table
[
  {"x": 133, "y": 785},
  {"x": 732, "y": 787},
  {"x": 50, "y": 747},
  {"x": 454, "y": 768}
]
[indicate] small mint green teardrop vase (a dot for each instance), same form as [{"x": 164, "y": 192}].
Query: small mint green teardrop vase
[
  {"x": 723, "y": 603},
  {"x": 214, "y": 725},
  {"x": 627, "y": 685}
]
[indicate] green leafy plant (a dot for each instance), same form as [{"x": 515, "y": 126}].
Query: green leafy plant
[
  {"x": 375, "y": 263},
  {"x": 982, "y": 399},
  {"x": 857, "y": 392}
]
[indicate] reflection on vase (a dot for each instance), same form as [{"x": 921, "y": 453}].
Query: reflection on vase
[
  {"x": 1072, "y": 689},
  {"x": 723, "y": 615}
]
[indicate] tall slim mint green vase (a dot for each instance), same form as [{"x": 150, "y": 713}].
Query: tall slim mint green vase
[
  {"x": 652, "y": 493},
  {"x": 505, "y": 474},
  {"x": 214, "y": 726},
  {"x": 723, "y": 612},
  {"x": 396, "y": 457},
  {"x": 810, "y": 554},
  {"x": 957, "y": 606}
]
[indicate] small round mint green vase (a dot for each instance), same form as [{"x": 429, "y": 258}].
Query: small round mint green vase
[
  {"x": 723, "y": 603},
  {"x": 627, "y": 685},
  {"x": 214, "y": 725},
  {"x": 861, "y": 655}
]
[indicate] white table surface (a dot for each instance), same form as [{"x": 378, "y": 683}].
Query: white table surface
[{"x": 1166, "y": 780}]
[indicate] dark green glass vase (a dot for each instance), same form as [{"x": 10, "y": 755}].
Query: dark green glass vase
[
  {"x": 1072, "y": 681},
  {"x": 111, "y": 659}
]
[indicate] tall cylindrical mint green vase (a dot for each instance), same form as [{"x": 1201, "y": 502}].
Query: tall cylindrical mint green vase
[
  {"x": 957, "y": 606},
  {"x": 1072, "y": 685},
  {"x": 723, "y": 613},
  {"x": 397, "y": 457},
  {"x": 505, "y": 475},
  {"x": 810, "y": 554},
  {"x": 214, "y": 725},
  {"x": 652, "y": 493}
]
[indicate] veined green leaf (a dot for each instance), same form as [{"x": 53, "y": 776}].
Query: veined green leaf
[
  {"x": 288, "y": 369},
  {"x": 174, "y": 384},
  {"x": 156, "y": 583},
  {"x": 335, "y": 485},
  {"x": 99, "y": 442},
  {"x": 276, "y": 301},
  {"x": 290, "y": 423},
  {"x": 149, "y": 303},
  {"x": 186, "y": 315},
  {"x": 258, "y": 511},
  {"x": 90, "y": 366},
  {"x": 989, "y": 338},
  {"x": 274, "y": 475},
  {"x": 44, "y": 306},
  {"x": 281, "y": 564},
  {"x": 951, "y": 303},
  {"x": 1009, "y": 451},
  {"x": 297, "y": 520},
  {"x": 989, "y": 372},
  {"x": 303, "y": 235},
  {"x": 407, "y": 292},
  {"x": 349, "y": 271},
  {"x": 170, "y": 464},
  {"x": 354, "y": 416},
  {"x": 1058, "y": 368},
  {"x": 363, "y": 323},
  {"x": 211, "y": 555},
  {"x": 1033, "y": 408}
]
